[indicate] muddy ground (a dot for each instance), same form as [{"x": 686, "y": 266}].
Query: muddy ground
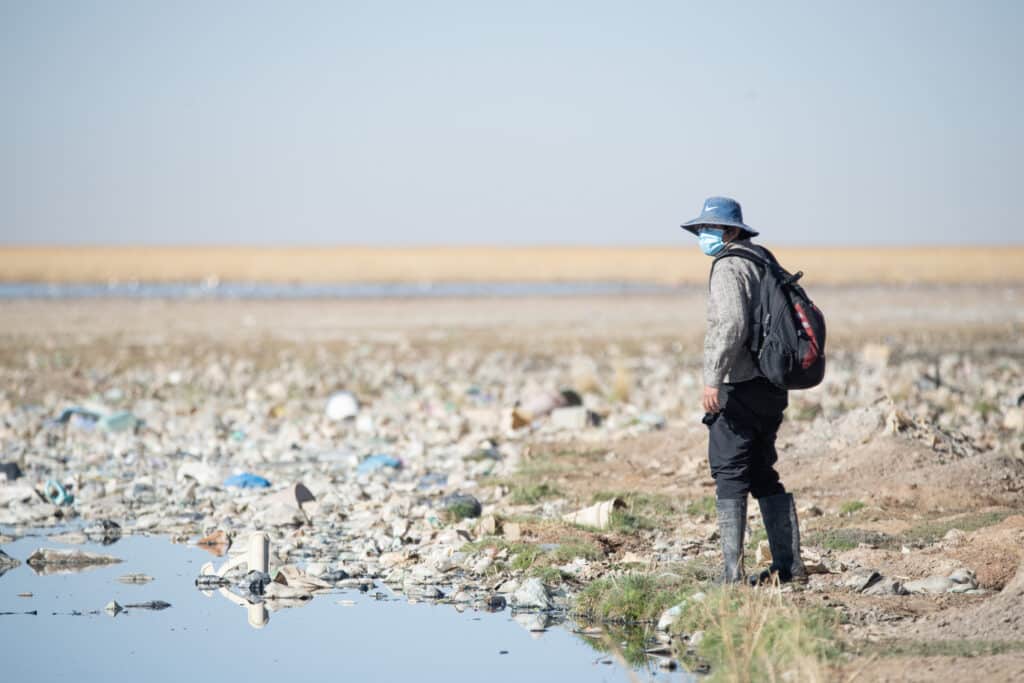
[{"x": 908, "y": 461}]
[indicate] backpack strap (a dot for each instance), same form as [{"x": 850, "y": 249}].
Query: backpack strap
[
  {"x": 756, "y": 328},
  {"x": 743, "y": 254}
]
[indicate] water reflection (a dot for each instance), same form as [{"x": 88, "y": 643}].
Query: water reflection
[{"x": 464, "y": 631}]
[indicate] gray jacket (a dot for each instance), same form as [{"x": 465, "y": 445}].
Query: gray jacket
[{"x": 733, "y": 292}]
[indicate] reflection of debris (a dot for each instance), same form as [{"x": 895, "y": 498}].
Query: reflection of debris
[
  {"x": 7, "y": 562},
  {"x": 104, "y": 531},
  {"x": 532, "y": 594},
  {"x": 256, "y": 560},
  {"x": 217, "y": 543},
  {"x": 155, "y": 605},
  {"x": 50, "y": 560},
  {"x": 135, "y": 578}
]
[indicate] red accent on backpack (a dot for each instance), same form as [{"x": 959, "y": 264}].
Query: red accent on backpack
[{"x": 813, "y": 351}]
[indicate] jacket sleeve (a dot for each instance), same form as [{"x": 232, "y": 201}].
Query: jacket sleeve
[{"x": 729, "y": 302}]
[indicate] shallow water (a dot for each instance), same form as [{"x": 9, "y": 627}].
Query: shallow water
[
  {"x": 205, "y": 638},
  {"x": 343, "y": 290}
]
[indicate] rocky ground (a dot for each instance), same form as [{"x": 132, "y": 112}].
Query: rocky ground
[{"x": 907, "y": 463}]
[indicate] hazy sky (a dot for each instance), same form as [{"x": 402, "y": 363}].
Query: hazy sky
[{"x": 513, "y": 122}]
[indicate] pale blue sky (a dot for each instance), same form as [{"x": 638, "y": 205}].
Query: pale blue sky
[{"x": 517, "y": 122}]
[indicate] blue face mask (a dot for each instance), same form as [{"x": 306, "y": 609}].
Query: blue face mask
[{"x": 711, "y": 240}]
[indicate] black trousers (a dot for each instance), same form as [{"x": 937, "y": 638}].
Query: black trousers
[{"x": 741, "y": 444}]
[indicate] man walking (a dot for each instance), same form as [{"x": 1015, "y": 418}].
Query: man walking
[{"x": 743, "y": 409}]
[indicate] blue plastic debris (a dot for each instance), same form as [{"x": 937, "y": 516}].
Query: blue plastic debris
[
  {"x": 378, "y": 461},
  {"x": 82, "y": 417},
  {"x": 118, "y": 422},
  {"x": 57, "y": 494},
  {"x": 432, "y": 479},
  {"x": 247, "y": 480}
]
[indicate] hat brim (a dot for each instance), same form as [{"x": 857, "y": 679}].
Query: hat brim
[{"x": 698, "y": 223}]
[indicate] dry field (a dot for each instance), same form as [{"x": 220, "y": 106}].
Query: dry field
[{"x": 668, "y": 264}]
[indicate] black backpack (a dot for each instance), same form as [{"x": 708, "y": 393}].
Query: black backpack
[{"x": 787, "y": 338}]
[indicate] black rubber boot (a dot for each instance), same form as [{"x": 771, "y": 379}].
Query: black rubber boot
[
  {"x": 732, "y": 522},
  {"x": 783, "y": 529}
]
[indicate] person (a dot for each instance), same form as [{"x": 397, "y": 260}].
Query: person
[{"x": 743, "y": 410}]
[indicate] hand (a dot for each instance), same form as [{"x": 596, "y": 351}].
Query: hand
[{"x": 710, "y": 400}]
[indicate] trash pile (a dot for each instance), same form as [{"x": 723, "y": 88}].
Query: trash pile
[{"x": 391, "y": 480}]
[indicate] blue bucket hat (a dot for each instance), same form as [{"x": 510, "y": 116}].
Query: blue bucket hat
[{"x": 720, "y": 212}]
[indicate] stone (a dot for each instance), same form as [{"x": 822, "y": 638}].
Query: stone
[
  {"x": 932, "y": 584},
  {"x": 532, "y": 594},
  {"x": 886, "y": 586},
  {"x": 113, "y": 608},
  {"x": 458, "y": 506},
  {"x": 669, "y": 616},
  {"x": 512, "y": 531},
  {"x": 495, "y": 603},
  {"x": 861, "y": 579},
  {"x": 50, "y": 558}
]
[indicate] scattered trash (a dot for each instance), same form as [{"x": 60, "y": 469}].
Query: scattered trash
[
  {"x": 541, "y": 405},
  {"x": 79, "y": 417},
  {"x": 431, "y": 480},
  {"x": 246, "y": 480},
  {"x": 341, "y": 406},
  {"x": 9, "y": 471},
  {"x": 598, "y": 515},
  {"x": 56, "y": 493},
  {"x": 575, "y": 417},
  {"x": 651, "y": 420},
  {"x": 118, "y": 422},
  {"x": 207, "y": 475},
  {"x": 377, "y": 462},
  {"x": 88, "y": 419}
]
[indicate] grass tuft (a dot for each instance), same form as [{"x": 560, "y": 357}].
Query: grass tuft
[
  {"x": 631, "y": 598},
  {"x": 757, "y": 635},
  {"x": 851, "y": 506},
  {"x": 704, "y": 507},
  {"x": 531, "y": 494}
]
